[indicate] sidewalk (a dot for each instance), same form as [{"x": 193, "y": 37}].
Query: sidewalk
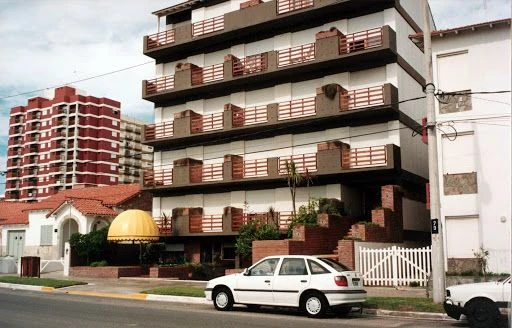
[{"x": 131, "y": 288}]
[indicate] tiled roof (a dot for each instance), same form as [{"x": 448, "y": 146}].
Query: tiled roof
[
  {"x": 92, "y": 207},
  {"x": 107, "y": 195},
  {"x": 13, "y": 213}
]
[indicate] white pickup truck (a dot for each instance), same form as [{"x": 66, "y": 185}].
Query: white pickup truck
[{"x": 479, "y": 302}]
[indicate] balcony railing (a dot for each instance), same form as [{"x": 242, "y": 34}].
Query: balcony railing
[
  {"x": 159, "y": 130},
  {"x": 361, "y": 41},
  {"x": 365, "y": 97},
  {"x": 297, "y": 108},
  {"x": 212, "y": 172},
  {"x": 250, "y": 115},
  {"x": 164, "y": 225},
  {"x": 208, "y": 26},
  {"x": 286, "y": 6},
  {"x": 160, "y": 177},
  {"x": 281, "y": 219},
  {"x": 296, "y": 55},
  {"x": 250, "y": 64},
  {"x": 210, "y": 122},
  {"x": 251, "y": 168},
  {"x": 364, "y": 157},
  {"x": 162, "y": 38},
  {"x": 303, "y": 163},
  {"x": 205, "y": 223},
  {"x": 160, "y": 84},
  {"x": 202, "y": 75}
]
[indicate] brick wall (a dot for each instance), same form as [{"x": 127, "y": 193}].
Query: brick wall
[
  {"x": 346, "y": 253},
  {"x": 193, "y": 252},
  {"x": 182, "y": 272},
  {"x": 105, "y": 272},
  {"x": 143, "y": 201}
]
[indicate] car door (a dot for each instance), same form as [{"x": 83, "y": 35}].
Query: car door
[
  {"x": 255, "y": 285},
  {"x": 292, "y": 278}
]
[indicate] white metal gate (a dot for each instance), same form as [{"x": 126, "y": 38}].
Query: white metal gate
[{"x": 395, "y": 266}]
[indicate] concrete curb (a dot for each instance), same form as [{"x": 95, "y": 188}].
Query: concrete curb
[
  {"x": 26, "y": 287},
  {"x": 421, "y": 315}
]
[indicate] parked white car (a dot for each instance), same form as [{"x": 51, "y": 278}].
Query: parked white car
[
  {"x": 310, "y": 283},
  {"x": 479, "y": 302}
]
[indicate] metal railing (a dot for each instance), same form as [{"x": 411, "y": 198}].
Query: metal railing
[
  {"x": 303, "y": 163},
  {"x": 164, "y": 225},
  {"x": 296, "y": 55},
  {"x": 364, "y": 157},
  {"x": 362, "y": 98},
  {"x": 209, "y": 122},
  {"x": 250, "y": 115},
  {"x": 252, "y": 168},
  {"x": 296, "y": 108},
  {"x": 155, "y": 178},
  {"x": 361, "y": 41},
  {"x": 250, "y": 64},
  {"x": 281, "y": 219},
  {"x": 205, "y": 223},
  {"x": 160, "y": 39},
  {"x": 208, "y": 26},
  {"x": 286, "y": 6},
  {"x": 160, "y": 84},
  {"x": 159, "y": 130},
  {"x": 212, "y": 172},
  {"x": 201, "y": 75}
]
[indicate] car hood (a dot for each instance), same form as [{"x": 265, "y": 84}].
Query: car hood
[
  {"x": 224, "y": 279},
  {"x": 474, "y": 286}
]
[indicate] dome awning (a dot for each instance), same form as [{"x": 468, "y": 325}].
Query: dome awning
[{"x": 133, "y": 225}]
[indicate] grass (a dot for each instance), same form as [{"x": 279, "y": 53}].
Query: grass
[
  {"x": 45, "y": 282},
  {"x": 383, "y": 303}
]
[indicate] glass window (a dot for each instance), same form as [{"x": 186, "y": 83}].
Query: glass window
[
  {"x": 316, "y": 268},
  {"x": 46, "y": 235},
  {"x": 293, "y": 267},
  {"x": 265, "y": 268},
  {"x": 335, "y": 265}
]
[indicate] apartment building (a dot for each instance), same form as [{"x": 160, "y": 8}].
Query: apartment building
[
  {"x": 135, "y": 157},
  {"x": 472, "y": 63},
  {"x": 242, "y": 87},
  {"x": 55, "y": 144}
]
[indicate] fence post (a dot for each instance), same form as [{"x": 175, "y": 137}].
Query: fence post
[{"x": 394, "y": 266}]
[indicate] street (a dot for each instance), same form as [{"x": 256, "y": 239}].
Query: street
[{"x": 35, "y": 309}]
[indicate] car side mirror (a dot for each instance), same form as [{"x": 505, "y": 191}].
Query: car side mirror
[{"x": 246, "y": 272}]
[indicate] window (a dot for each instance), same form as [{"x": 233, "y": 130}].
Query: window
[
  {"x": 114, "y": 122},
  {"x": 113, "y": 167},
  {"x": 46, "y": 235},
  {"x": 316, "y": 268},
  {"x": 114, "y": 145},
  {"x": 112, "y": 179},
  {"x": 114, "y": 134},
  {"x": 265, "y": 268},
  {"x": 293, "y": 267}
]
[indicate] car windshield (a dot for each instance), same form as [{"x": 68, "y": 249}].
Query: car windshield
[{"x": 335, "y": 265}]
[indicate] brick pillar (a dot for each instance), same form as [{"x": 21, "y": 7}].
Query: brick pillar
[
  {"x": 193, "y": 251},
  {"x": 183, "y": 76},
  {"x": 272, "y": 113},
  {"x": 392, "y": 200},
  {"x": 327, "y": 44},
  {"x": 346, "y": 253},
  {"x": 182, "y": 123},
  {"x": 233, "y": 116},
  {"x": 181, "y": 170},
  {"x": 329, "y": 156},
  {"x": 328, "y": 99},
  {"x": 233, "y": 167},
  {"x": 229, "y": 63}
]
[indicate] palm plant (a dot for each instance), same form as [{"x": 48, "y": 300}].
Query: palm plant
[{"x": 294, "y": 178}]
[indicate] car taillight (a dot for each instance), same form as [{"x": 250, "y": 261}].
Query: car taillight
[{"x": 341, "y": 281}]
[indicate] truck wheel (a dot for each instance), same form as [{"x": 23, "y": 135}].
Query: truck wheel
[{"x": 483, "y": 313}]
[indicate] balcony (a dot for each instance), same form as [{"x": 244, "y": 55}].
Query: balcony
[
  {"x": 332, "y": 52},
  {"x": 332, "y": 160},
  {"x": 254, "y": 21},
  {"x": 333, "y": 106}
]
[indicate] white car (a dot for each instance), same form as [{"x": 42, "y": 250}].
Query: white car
[
  {"x": 479, "y": 302},
  {"x": 310, "y": 283}
]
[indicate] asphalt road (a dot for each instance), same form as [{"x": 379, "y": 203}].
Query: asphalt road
[{"x": 35, "y": 309}]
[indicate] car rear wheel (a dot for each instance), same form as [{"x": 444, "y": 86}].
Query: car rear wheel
[
  {"x": 483, "y": 313},
  {"x": 314, "y": 304},
  {"x": 222, "y": 299}
]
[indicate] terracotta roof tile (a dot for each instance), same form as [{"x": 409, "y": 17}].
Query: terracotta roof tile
[
  {"x": 93, "y": 207},
  {"x": 13, "y": 213}
]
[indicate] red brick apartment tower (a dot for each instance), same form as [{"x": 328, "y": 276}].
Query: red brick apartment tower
[{"x": 55, "y": 144}]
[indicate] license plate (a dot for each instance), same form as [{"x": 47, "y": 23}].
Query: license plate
[{"x": 355, "y": 283}]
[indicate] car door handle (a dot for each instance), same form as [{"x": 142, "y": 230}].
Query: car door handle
[
  {"x": 303, "y": 281},
  {"x": 267, "y": 281}
]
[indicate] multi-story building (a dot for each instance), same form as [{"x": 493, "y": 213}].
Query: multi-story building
[
  {"x": 135, "y": 157},
  {"x": 471, "y": 71},
  {"x": 57, "y": 143},
  {"x": 242, "y": 87}
]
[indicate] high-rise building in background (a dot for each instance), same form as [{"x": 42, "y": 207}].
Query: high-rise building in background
[
  {"x": 244, "y": 87},
  {"x": 134, "y": 156},
  {"x": 71, "y": 140}
]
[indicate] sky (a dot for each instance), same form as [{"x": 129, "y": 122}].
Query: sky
[{"x": 48, "y": 43}]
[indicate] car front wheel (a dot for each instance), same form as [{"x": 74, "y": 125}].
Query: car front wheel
[
  {"x": 483, "y": 313},
  {"x": 314, "y": 305},
  {"x": 222, "y": 299}
]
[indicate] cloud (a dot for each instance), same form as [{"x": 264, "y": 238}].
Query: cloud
[{"x": 455, "y": 13}]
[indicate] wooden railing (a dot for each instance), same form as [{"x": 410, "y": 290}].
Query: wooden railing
[
  {"x": 296, "y": 108},
  {"x": 160, "y": 84},
  {"x": 162, "y": 38},
  {"x": 361, "y": 40},
  {"x": 252, "y": 168},
  {"x": 286, "y": 6},
  {"x": 205, "y": 223},
  {"x": 303, "y": 163},
  {"x": 155, "y": 178},
  {"x": 296, "y": 55},
  {"x": 201, "y": 75},
  {"x": 282, "y": 219},
  {"x": 250, "y": 115},
  {"x": 164, "y": 226},
  {"x": 353, "y": 99},
  {"x": 364, "y": 157},
  {"x": 208, "y": 26},
  {"x": 212, "y": 172},
  {"x": 250, "y": 64},
  {"x": 159, "y": 130},
  {"x": 210, "y": 122}
]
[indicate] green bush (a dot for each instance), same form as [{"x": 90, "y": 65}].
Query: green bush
[
  {"x": 306, "y": 215},
  {"x": 99, "y": 263},
  {"x": 91, "y": 245},
  {"x": 251, "y": 231}
]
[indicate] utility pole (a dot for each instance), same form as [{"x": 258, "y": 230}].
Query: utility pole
[{"x": 438, "y": 272}]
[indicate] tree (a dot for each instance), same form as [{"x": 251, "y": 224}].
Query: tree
[
  {"x": 254, "y": 230},
  {"x": 294, "y": 179},
  {"x": 91, "y": 245}
]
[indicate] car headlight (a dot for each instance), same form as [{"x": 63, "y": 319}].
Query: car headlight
[{"x": 449, "y": 301}]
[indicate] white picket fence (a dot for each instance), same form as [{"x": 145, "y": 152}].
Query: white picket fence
[{"x": 395, "y": 266}]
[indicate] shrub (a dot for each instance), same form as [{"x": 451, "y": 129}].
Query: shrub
[
  {"x": 91, "y": 245},
  {"x": 251, "y": 231},
  {"x": 99, "y": 263},
  {"x": 305, "y": 216}
]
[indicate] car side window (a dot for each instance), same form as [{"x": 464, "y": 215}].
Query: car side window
[
  {"x": 293, "y": 267},
  {"x": 265, "y": 268},
  {"x": 316, "y": 268}
]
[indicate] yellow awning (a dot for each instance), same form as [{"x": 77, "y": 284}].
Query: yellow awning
[{"x": 133, "y": 225}]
